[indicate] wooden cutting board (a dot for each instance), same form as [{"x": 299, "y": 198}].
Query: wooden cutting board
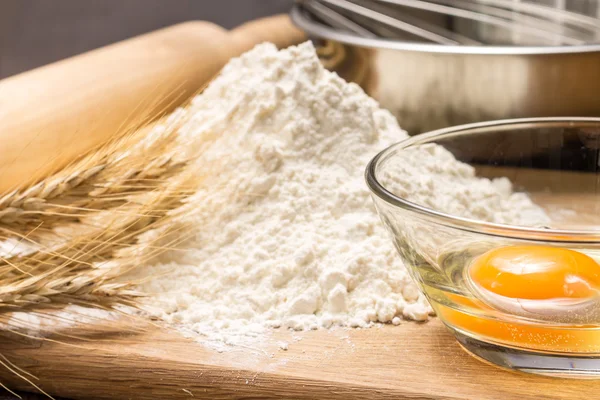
[
  {"x": 128, "y": 359},
  {"x": 411, "y": 361}
]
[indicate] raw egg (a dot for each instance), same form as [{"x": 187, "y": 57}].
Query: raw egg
[{"x": 542, "y": 282}]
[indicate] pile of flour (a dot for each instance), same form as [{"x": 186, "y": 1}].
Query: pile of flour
[
  {"x": 429, "y": 175},
  {"x": 286, "y": 232}
]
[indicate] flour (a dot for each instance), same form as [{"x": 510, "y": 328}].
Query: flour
[
  {"x": 287, "y": 236},
  {"x": 286, "y": 232},
  {"x": 43, "y": 323},
  {"x": 429, "y": 175}
]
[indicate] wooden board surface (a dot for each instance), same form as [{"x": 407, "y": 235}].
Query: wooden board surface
[{"x": 413, "y": 361}]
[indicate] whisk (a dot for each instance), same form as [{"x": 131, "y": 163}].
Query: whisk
[{"x": 463, "y": 22}]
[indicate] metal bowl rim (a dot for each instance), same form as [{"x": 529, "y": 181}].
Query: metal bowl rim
[
  {"x": 324, "y": 32},
  {"x": 471, "y": 225}
]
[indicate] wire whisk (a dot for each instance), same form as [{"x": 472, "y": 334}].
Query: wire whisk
[{"x": 464, "y": 22}]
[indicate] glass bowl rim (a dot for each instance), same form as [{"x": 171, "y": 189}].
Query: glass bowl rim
[{"x": 467, "y": 224}]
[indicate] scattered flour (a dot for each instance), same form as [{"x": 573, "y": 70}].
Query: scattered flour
[
  {"x": 283, "y": 345},
  {"x": 286, "y": 232},
  {"x": 39, "y": 324}
]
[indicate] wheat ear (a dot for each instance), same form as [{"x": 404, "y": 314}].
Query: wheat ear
[
  {"x": 100, "y": 181},
  {"x": 76, "y": 269}
]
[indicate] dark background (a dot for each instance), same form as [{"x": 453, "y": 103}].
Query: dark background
[{"x": 38, "y": 32}]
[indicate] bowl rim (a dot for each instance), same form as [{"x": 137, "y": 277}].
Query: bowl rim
[
  {"x": 325, "y": 32},
  {"x": 467, "y": 224}
]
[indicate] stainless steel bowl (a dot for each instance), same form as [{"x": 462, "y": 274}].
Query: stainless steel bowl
[{"x": 429, "y": 86}]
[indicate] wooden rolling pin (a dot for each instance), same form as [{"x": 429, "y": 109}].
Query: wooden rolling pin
[{"x": 53, "y": 115}]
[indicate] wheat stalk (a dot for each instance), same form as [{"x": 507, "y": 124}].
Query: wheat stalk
[
  {"x": 100, "y": 181},
  {"x": 76, "y": 270},
  {"x": 91, "y": 216},
  {"x": 69, "y": 270},
  {"x": 85, "y": 228}
]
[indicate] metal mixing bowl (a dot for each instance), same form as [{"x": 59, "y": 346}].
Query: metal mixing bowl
[{"x": 429, "y": 86}]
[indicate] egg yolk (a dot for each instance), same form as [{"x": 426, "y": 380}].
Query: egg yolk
[{"x": 536, "y": 273}]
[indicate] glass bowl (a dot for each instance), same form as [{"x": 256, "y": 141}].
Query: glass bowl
[{"x": 520, "y": 296}]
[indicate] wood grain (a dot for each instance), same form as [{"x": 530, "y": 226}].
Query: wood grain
[
  {"x": 412, "y": 361},
  {"x": 277, "y": 29}
]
